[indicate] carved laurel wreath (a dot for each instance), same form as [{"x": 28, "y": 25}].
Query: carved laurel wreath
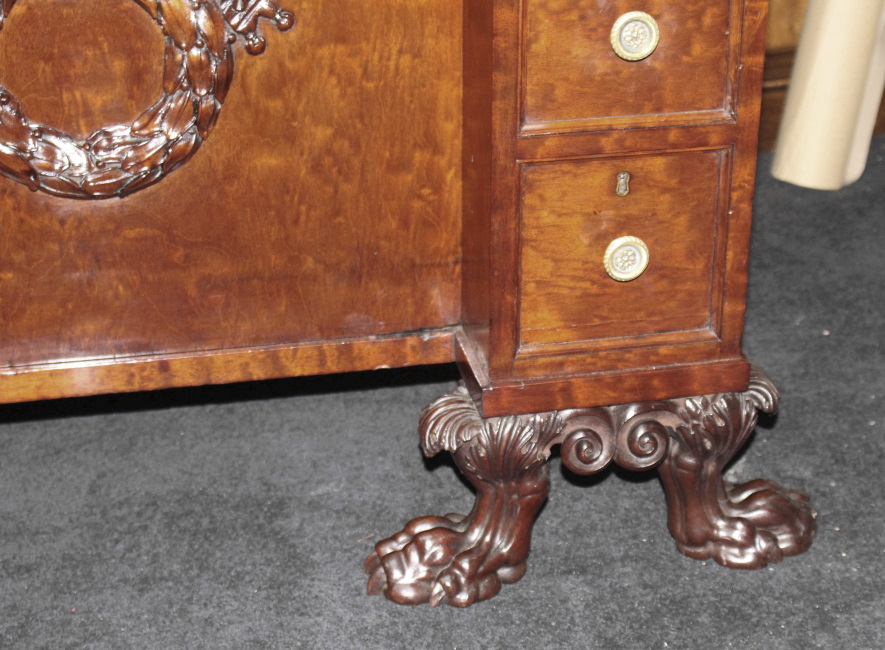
[{"x": 119, "y": 160}]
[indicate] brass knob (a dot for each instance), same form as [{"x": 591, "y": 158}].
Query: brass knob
[
  {"x": 635, "y": 36},
  {"x": 625, "y": 259}
]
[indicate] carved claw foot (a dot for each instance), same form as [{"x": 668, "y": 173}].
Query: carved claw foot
[
  {"x": 455, "y": 560},
  {"x": 743, "y": 526},
  {"x": 462, "y": 560}
]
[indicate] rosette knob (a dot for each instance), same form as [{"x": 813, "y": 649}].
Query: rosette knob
[
  {"x": 626, "y": 258},
  {"x": 635, "y": 36}
]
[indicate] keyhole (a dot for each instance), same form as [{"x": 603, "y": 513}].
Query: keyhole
[{"x": 623, "y": 188}]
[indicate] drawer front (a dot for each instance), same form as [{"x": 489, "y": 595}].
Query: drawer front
[
  {"x": 673, "y": 206},
  {"x": 574, "y": 80}
]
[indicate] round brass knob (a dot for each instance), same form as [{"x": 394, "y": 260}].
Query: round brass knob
[
  {"x": 635, "y": 36},
  {"x": 625, "y": 259}
]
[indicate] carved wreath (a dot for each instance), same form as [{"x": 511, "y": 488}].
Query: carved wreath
[{"x": 119, "y": 160}]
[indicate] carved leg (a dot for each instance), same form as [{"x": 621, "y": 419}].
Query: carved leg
[
  {"x": 461, "y": 560},
  {"x": 740, "y": 526}
]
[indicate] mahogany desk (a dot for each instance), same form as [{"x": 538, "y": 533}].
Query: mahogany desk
[{"x": 554, "y": 193}]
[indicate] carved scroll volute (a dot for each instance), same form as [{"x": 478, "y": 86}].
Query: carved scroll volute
[
  {"x": 762, "y": 392},
  {"x": 633, "y": 436},
  {"x": 588, "y": 440},
  {"x": 644, "y": 435},
  {"x": 118, "y": 160},
  {"x": 461, "y": 560}
]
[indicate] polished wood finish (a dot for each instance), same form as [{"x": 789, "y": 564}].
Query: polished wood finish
[
  {"x": 785, "y": 18},
  {"x": 49, "y": 59},
  {"x": 462, "y": 559},
  {"x": 575, "y": 387},
  {"x": 117, "y": 160},
  {"x": 573, "y": 80},
  {"x": 571, "y": 213},
  {"x": 77, "y": 378},
  {"x": 543, "y": 349},
  {"x": 387, "y": 187},
  {"x": 320, "y": 215}
]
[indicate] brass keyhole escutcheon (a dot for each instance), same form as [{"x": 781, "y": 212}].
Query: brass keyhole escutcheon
[{"x": 623, "y": 186}]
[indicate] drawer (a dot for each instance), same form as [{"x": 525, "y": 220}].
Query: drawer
[
  {"x": 674, "y": 204},
  {"x": 574, "y": 80}
]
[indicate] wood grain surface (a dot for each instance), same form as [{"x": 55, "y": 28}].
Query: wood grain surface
[
  {"x": 78, "y": 65},
  {"x": 785, "y": 18},
  {"x": 557, "y": 329},
  {"x": 573, "y": 74},
  {"x": 369, "y": 159},
  {"x": 325, "y": 206},
  {"x": 571, "y": 213}
]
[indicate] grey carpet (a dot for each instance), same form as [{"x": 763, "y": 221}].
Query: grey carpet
[{"x": 240, "y": 516}]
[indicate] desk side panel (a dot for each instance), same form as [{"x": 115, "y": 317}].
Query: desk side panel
[{"x": 324, "y": 206}]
